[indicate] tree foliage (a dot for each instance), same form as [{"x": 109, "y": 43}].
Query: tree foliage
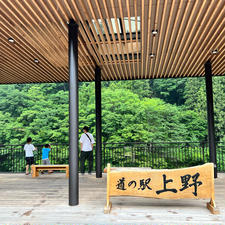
[{"x": 133, "y": 111}]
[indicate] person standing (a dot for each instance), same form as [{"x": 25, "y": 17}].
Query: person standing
[
  {"x": 29, "y": 148},
  {"x": 45, "y": 157},
  {"x": 86, "y": 145}
]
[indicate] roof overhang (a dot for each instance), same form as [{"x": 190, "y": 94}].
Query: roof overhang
[{"x": 113, "y": 34}]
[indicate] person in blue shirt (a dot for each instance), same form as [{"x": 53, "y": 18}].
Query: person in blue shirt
[{"x": 45, "y": 156}]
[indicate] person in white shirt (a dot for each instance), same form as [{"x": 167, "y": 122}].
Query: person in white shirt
[
  {"x": 29, "y": 148},
  {"x": 86, "y": 145}
]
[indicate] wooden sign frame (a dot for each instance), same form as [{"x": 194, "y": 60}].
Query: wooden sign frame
[{"x": 187, "y": 183}]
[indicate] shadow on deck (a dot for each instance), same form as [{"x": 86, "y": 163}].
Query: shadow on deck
[{"x": 44, "y": 200}]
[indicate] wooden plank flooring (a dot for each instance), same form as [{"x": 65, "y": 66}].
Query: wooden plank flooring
[{"x": 44, "y": 200}]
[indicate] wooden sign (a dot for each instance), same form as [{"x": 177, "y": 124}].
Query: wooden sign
[{"x": 194, "y": 182}]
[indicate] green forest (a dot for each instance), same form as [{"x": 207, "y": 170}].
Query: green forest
[{"x": 159, "y": 110}]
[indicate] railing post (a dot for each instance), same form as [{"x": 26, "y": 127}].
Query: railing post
[
  {"x": 152, "y": 151},
  {"x": 203, "y": 151},
  {"x": 104, "y": 154}
]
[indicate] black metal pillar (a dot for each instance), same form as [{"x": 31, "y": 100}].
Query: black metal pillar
[
  {"x": 210, "y": 113},
  {"x": 73, "y": 113},
  {"x": 98, "y": 108}
]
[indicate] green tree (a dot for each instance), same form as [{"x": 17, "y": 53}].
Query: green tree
[{"x": 170, "y": 90}]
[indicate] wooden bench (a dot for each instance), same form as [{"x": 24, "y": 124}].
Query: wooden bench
[
  {"x": 37, "y": 168},
  {"x": 187, "y": 183}
]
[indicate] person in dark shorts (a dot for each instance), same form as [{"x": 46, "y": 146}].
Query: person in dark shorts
[{"x": 29, "y": 148}]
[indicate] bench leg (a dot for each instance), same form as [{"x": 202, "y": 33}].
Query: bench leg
[
  {"x": 34, "y": 172},
  {"x": 67, "y": 172}
]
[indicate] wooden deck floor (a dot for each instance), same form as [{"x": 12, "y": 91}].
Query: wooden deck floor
[{"x": 44, "y": 200}]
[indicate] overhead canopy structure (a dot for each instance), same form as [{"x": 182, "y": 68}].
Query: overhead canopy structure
[{"x": 127, "y": 39}]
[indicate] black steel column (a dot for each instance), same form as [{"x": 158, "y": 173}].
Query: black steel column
[
  {"x": 98, "y": 108},
  {"x": 73, "y": 114},
  {"x": 210, "y": 112}
]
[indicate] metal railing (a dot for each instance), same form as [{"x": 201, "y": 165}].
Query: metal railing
[
  {"x": 12, "y": 157},
  {"x": 220, "y": 150},
  {"x": 155, "y": 155},
  {"x": 161, "y": 155}
]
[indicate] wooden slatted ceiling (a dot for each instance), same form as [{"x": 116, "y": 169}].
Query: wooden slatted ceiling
[{"x": 115, "y": 35}]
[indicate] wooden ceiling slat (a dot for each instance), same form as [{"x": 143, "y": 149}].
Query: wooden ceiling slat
[
  {"x": 89, "y": 73},
  {"x": 201, "y": 6},
  {"x": 204, "y": 33},
  {"x": 120, "y": 75},
  {"x": 142, "y": 36},
  {"x": 183, "y": 25},
  {"x": 219, "y": 59},
  {"x": 153, "y": 40},
  {"x": 50, "y": 37},
  {"x": 61, "y": 29},
  {"x": 219, "y": 42},
  {"x": 11, "y": 58},
  {"x": 94, "y": 58},
  {"x": 89, "y": 70},
  {"x": 160, "y": 9},
  {"x": 128, "y": 76},
  {"x": 20, "y": 69},
  {"x": 211, "y": 42},
  {"x": 195, "y": 34},
  {"x": 20, "y": 51},
  {"x": 163, "y": 35},
  {"x": 188, "y": 31},
  {"x": 6, "y": 80},
  {"x": 106, "y": 50},
  {"x": 20, "y": 54},
  {"x": 62, "y": 32},
  {"x": 145, "y": 11},
  {"x": 21, "y": 41},
  {"x": 220, "y": 70},
  {"x": 10, "y": 79},
  {"x": 12, "y": 70},
  {"x": 150, "y": 27},
  {"x": 82, "y": 51},
  {"x": 130, "y": 31},
  {"x": 170, "y": 29},
  {"x": 137, "y": 72},
  {"x": 174, "y": 36},
  {"x": 81, "y": 41},
  {"x": 25, "y": 22},
  {"x": 200, "y": 69},
  {"x": 205, "y": 57},
  {"x": 120, "y": 43},
  {"x": 83, "y": 72},
  {"x": 106, "y": 69},
  {"x": 52, "y": 8},
  {"x": 88, "y": 18}
]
